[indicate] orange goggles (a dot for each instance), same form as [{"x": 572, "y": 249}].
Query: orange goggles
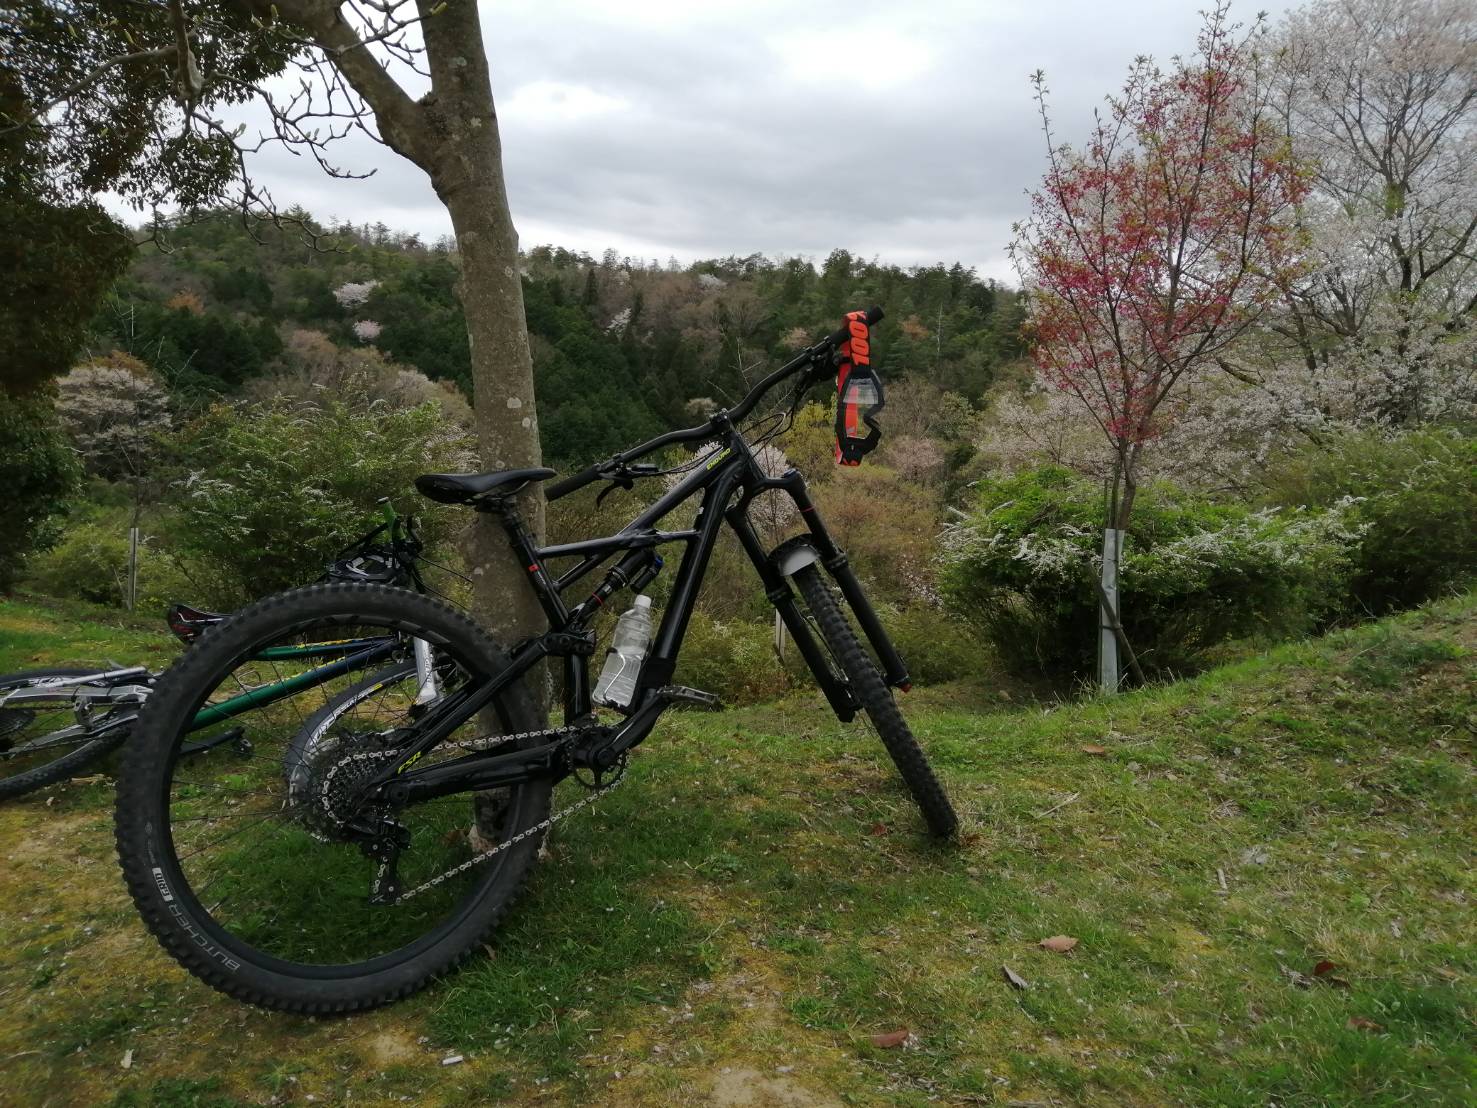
[{"x": 858, "y": 394}]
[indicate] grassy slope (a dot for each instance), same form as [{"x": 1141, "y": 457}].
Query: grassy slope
[{"x": 757, "y": 900}]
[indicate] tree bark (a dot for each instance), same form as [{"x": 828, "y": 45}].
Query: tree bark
[
  {"x": 452, "y": 134},
  {"x": 463, "y": 155}
]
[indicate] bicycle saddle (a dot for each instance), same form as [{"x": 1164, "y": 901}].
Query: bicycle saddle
[
  {"x": 188, "y": 622},
  {"x": 464, "y": 488}
]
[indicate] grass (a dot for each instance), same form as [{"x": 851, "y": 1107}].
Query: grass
[{"x": 757, "y": 901}]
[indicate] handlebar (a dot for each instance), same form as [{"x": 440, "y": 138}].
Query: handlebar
[
  {"x": 612, "y": 466},
  {"x": 572, "y": 483},
  {"x": 874, "y": 316}
]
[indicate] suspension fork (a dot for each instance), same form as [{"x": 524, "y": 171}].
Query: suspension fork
[
  {"x": 833, "y": 558},
  {"x": 777, "y": 590},
  {"x": 427, "y": 687}
]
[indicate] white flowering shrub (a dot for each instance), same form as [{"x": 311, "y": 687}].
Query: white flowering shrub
[
  {"x": 367, "y": 330},
  {"x": 1022, "y": 566}
]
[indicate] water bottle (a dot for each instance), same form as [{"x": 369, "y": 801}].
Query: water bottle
[{"x": 628, "y": 645}]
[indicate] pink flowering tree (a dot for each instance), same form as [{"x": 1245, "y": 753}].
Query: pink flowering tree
[{"x": 1150, "y": 251}]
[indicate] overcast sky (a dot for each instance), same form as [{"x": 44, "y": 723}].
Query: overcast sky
[{"x": 698, "y": 128}]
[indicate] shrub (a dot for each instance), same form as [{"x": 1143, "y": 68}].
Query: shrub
[
  {"x": 1417, "y": 500},
  {"x": 887, "y": 527},
  {"x": 273, "y": 492},
  {"x": 1022, "y": 568},
  {"x": 37, "y": 471},
  {"x": 734, "y": 659},
  {"x": 90, "y": 562},
  {"x": 936, "y": 646}
]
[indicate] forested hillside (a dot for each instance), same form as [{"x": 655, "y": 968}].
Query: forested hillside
[{"x": 621, "y": 345}]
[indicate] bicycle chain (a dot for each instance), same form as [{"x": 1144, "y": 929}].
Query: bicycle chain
[
  {"x": 537, "y": 828},
  {"x": 487, "y": 742}
]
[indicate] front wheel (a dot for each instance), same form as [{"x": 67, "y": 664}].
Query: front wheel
[{"x": 875, "y": 698}]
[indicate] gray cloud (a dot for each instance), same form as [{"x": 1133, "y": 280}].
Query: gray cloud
[{"x": 664, "y": 128}]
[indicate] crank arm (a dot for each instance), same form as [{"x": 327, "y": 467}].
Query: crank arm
[
  {"x": 63, "y": 737},
  {"x": 604, "y": 755}
]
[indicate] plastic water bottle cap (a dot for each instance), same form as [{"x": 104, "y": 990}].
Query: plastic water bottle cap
[{"x": 643, "y": 601}]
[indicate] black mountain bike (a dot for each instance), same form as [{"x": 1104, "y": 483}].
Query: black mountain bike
[
  {"x": 409, "y": 823},
  {"x": 55, "y": 723}
]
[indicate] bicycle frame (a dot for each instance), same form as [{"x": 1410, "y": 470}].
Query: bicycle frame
[
  {"x": 729, "y": 469},
  {"x": 129, "y": 688}
]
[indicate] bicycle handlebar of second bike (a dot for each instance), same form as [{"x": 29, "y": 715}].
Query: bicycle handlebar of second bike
[{"x": 611, "y": 466}]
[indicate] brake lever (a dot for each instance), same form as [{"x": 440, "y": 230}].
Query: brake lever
[
  {"x": 625, "y": 476},
  {"x": 615, "y": 483}
]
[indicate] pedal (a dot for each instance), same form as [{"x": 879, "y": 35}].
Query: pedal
[{"x": 681, "y": 694}]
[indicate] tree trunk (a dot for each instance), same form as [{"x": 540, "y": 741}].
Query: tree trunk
[
  {"x": 1128, "y": 471},
  {"x": 463, "y": 154},
  {"x": 452, "y": 134}
]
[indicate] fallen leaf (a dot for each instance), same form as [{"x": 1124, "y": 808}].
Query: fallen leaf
[
  {"x": 1323, "y": 967},
  {"x": 1093, "y": 748},
  {"x": 1359, "y": 1023},
  {"x": 879, "y": 828},
  {"x": 889, "y": 1039},
  {"x": 1058, "y": 944},
  {"x": 1015, "y": 979}
]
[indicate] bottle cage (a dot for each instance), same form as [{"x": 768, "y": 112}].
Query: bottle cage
[{"x": 858, "y": 394}]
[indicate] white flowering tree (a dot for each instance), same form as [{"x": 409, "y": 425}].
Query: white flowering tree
[
  {"x": 367, "y": 330},
  {"x": 115, "y": 418},
  {"x": 351, "y": 294},
  {"x": 1379, "y": 96}
]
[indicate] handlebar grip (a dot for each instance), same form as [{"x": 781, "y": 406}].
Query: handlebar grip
[
  {"x": 874, "y": 315},
  {"x": 570, "y": 484}
]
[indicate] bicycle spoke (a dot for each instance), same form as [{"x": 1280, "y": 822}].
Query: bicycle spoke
[{"x": 276, "y": 838}]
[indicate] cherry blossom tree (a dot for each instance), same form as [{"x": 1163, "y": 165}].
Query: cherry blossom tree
[
  {"x": 1380, "y": 98},
  {"x": 1149, "y": 252},
  {"x": 114, "y": 415}
]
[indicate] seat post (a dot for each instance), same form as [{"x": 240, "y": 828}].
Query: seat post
[
  {"x": 521, "y": 540},
  {"x": 506, "y": 510}
]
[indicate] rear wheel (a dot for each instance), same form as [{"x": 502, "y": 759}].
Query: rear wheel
[
  {"x": 43, "y": 742},
  {"x": 259, "y": 864},
  {"x": 856, "y": 667}
]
